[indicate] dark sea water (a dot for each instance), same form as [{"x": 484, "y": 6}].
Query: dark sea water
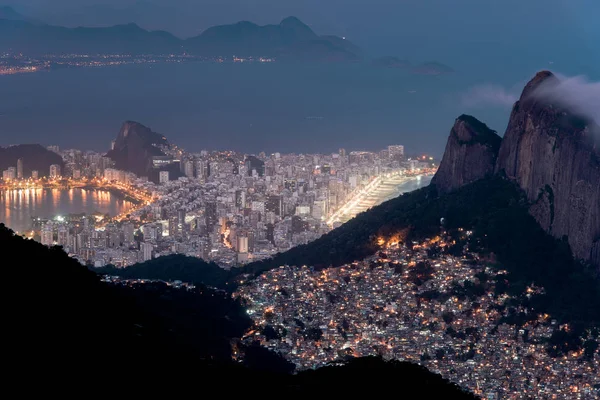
[
  {"x": 246, "y": 107},
  {"x": 17, "y": 207}
]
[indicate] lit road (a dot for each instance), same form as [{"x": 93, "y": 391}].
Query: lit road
[{"x": 379, "y": 190}]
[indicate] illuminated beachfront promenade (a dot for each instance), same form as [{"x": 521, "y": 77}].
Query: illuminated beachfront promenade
[{"x": 379, "y": 190}]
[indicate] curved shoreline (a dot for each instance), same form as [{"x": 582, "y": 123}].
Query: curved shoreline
[
  {"x": 389, "y": 189},
  {"x": 122, "y": 194}
]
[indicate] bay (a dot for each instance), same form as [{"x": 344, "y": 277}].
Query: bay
[{"x": 18, "y": 207}]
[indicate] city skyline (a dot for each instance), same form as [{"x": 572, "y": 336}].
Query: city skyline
[{"x": 226, "y": 207}]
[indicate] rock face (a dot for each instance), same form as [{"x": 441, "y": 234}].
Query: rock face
[
  {"x": 550, "y": 152},
  {"x": 134, "y": 148},
  {"x": 470, "y": 154}
]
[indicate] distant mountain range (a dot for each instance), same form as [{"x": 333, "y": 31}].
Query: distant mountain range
[
  {"x": 9, "y": 13},
  {"x": 290, "y": 39}
]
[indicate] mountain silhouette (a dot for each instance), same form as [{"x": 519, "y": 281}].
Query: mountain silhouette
[{"x": 290, "y": 39}]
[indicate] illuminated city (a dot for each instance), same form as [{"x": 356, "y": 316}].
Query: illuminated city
[
  {"x": 11, "y": 64},
  {"x": 225, "y": 207},
  {"x": 441, "y": 311}
]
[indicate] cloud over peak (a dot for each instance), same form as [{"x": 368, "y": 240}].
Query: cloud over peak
[{"x": 489, "y": 95}]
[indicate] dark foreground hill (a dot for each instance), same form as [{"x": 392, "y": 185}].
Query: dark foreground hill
[
  {"x": 65, "y": 327},
  {"x": 175, "y": 267}
]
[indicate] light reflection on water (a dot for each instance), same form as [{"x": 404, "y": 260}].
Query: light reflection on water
[{"x": 17, "y": 207}]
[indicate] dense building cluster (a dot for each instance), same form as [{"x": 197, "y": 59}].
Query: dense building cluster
[
  {"x": 226, "y": 207},
  {"x": 419, "y": 304}
]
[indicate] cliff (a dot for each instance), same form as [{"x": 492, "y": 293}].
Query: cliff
[
  {"x": 134, "y": 148},
  {"x": 35, "y": 158},
  {"x": 470, "y": 154},
  {"x": 549, "y": 151}
]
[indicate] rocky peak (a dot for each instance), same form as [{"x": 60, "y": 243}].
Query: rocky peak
[
  {"x": 541, "y": 78},
  {"x": 470, "y": 154},
  {"x": 135, "y": 147},
  {"x": 139, "y": 132},
  {"x": 549, "y": 151}
]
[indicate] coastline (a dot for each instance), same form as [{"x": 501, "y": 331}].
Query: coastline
[
  {"x": 120, "y": 193},
  {"x": 385, "y": 190}
]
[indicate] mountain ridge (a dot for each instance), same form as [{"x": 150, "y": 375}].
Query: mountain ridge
[
  {"x": 243, "y": 38},
  {"x": 9, "y": 13}
]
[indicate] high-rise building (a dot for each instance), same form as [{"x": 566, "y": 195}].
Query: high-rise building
[
  {"x": 210, "y": 212},
  {"x": 201, "y": 169},
  {"x": 242, "y": 244},
  {"x": 181, "y": 227},
  {"x": 173, "y": 224},
  {"x": 128, "y": 232},
  {"x": 48, "y": 234},
  {"x": 63, "y": 236},
  {"x": 54, "y": 171},
  {"x": 240, "y": 198},
  {"x": 55, "y": 149},
  {"x": 35, "y": 174},
  {"x": 12, "y": 171},
  {"x": 188, "y": 169},
  {"x": 342, "y": 152},
  {"x": 146, "y": 250},
  {"x": 6, "y": 175},
  {"x": 83, "y": 240},
  {"x": 20, "y": 168},
  {"x": 163, "y": 177},
  {"x": 396, "y": 152}
]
